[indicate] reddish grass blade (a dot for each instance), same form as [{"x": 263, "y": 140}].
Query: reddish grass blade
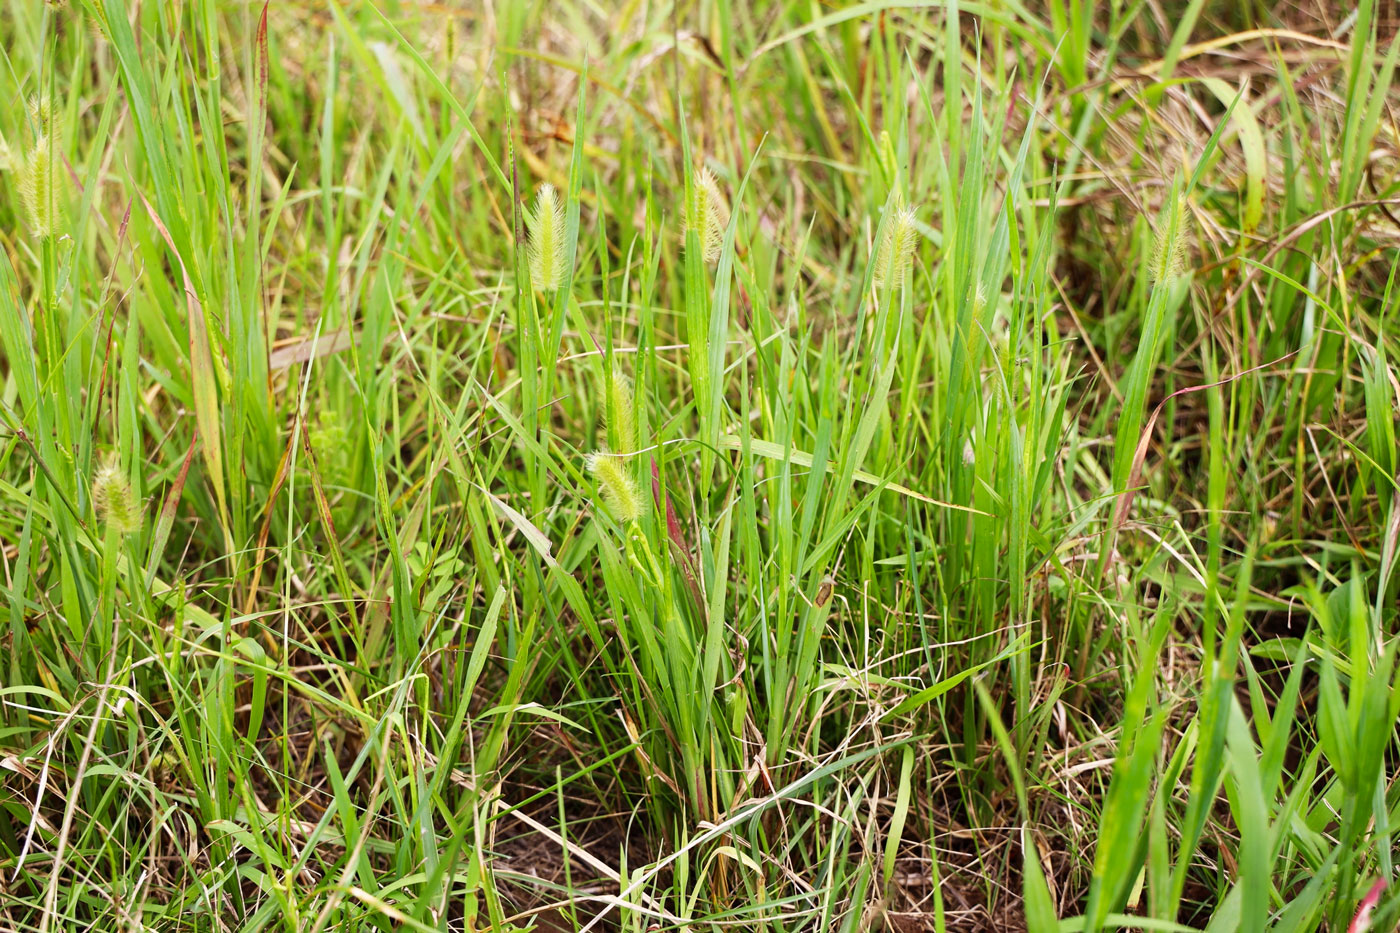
[
  {"x": 680, "y": 551},
  {"x": 1362, "y": 921}
]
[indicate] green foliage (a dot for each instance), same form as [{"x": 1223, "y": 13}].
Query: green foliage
[{"x": 768, "y": 465}]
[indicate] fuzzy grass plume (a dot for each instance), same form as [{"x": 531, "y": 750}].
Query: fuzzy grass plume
[
  {"x": 97, "y": 20},
  {"x": 708, "y": 214},
  {"x": 113, "y": 498},
  {"x": 889, "y": 161},
  {"x": 620, "y": 412},
  {"x": 621, "y": 493},
  {"x": 895, "y": 253},
  {"x": 39, "y": 175},
  {"x": 1170, "y": 240},
  {"x": 546, "y": 250}
]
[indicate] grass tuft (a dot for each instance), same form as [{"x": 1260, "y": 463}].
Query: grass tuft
[{"x": 632, "y": 467}]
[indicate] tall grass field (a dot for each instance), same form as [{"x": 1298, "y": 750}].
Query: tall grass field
[{"x": 692, "y": 466}]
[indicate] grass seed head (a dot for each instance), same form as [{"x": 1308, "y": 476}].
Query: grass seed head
[
  {"x": 1170, "y": 243},
  {"x": 620, "y": 411},
  {"x": 38, "y": 187},
  {"x": 620, "y": 492},
  {"x": 895, "y": 252},
  {"x": 708, "y": 214},
  {"x": 97, "y": 19},
  {"x": 548, "y": 264},
  {"x": 113, "y": 498},
  {"x": 41, "y": 115},
  {"x": 888, "y": 160},
  {"x": 39, "y": 179}
]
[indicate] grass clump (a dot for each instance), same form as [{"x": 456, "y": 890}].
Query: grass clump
[{"x": 627, "y": 467}]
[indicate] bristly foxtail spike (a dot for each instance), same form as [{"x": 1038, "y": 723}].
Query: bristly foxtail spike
[
  {"x": 548, "y": 262},
  {"x": 895, "y": 252},
  {"x": 39, "y": 179},
  {"x": 621, "y": 494},
  {"x": 708, "y": 214},
  {"x": 1170, "y": 240},
  {"x": 620, "y": 411},
  {"x": 113, "y": 498},
  {"x": 888, "y": 160}
]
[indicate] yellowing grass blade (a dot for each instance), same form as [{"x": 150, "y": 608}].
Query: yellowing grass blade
[
  {"x": 204, "y": 384},
  {"x": 771, "y": 451}
]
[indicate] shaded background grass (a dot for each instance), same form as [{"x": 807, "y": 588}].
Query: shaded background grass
[{"x": 1051, "y": 577}]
